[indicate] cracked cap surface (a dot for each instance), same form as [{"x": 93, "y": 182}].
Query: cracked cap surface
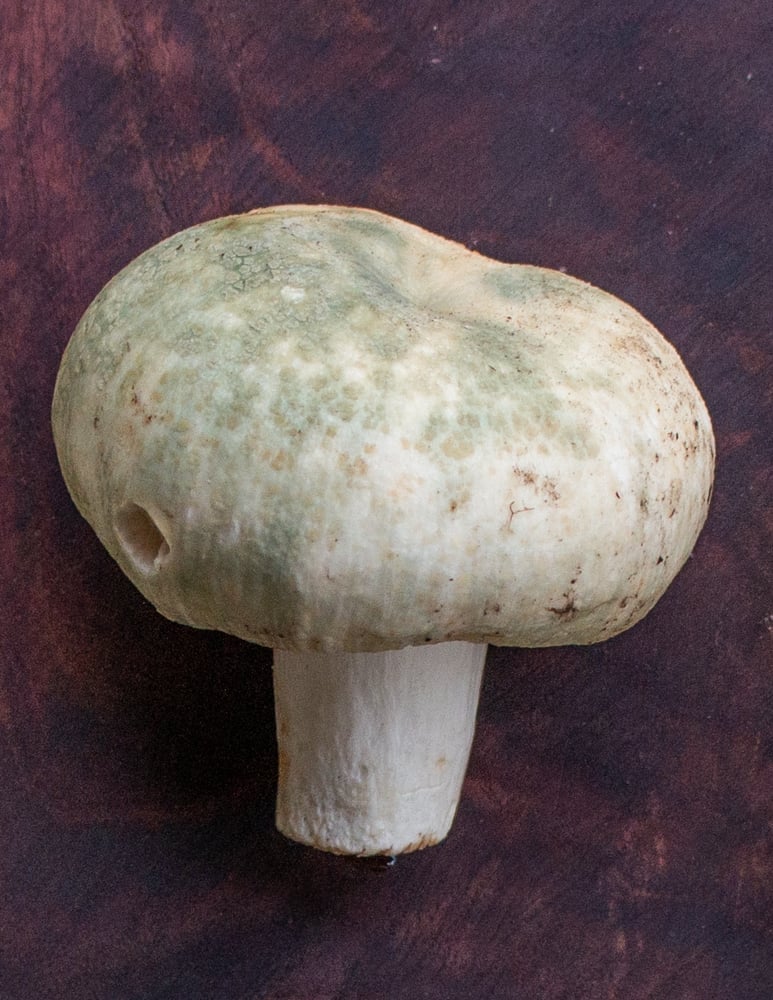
[{"x": 318, "y": 428}]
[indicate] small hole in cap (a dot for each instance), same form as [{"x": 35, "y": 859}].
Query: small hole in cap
[{"x": 142, "y": 539}]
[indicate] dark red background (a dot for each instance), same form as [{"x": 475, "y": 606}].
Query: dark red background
[{"x": 614, "y": 839}]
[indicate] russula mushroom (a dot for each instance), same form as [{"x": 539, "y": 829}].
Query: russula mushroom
[{"x": 330, "y": 432}]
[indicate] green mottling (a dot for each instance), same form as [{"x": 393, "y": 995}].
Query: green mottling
[
  {"x": 221, "y": 384},
  {"x": 435, "y": 427},
  {"x": 373, "y": 228},
  {"x": 212, "y": 295},
  {"x": 526, "y": 284},
  {"x": 327, "y": 406}
]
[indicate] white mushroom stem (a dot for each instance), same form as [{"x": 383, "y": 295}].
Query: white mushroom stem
[{"x": 373, "y": 747}]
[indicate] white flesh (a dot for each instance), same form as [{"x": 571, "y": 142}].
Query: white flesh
[{"x": 373, "y": 747}]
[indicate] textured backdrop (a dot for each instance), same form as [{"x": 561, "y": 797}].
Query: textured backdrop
[{"x": 614, "y": 839}]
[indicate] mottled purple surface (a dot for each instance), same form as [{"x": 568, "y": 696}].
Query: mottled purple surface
[{"x": 615, "y": 837}]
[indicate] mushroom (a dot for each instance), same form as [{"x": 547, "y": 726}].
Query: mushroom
[{"x": 330, "y": 432}]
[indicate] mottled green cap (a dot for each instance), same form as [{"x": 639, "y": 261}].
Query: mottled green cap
[{"x": 324, "y": 428}]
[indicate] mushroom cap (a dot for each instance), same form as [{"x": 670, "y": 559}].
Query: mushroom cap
[{"x": 324, "y": 428}]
